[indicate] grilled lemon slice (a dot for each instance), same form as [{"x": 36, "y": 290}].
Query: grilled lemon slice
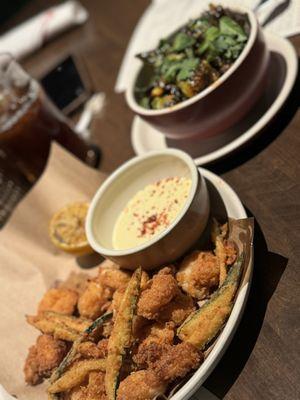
[{"x": 67, "y": 229}]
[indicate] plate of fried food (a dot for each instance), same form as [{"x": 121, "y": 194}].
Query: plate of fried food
[{"x": 129, "y": 332}]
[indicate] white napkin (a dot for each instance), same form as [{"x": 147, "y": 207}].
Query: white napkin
[
  {"x": 32, "y": 34},
  {"x": 164, "y": 16}
]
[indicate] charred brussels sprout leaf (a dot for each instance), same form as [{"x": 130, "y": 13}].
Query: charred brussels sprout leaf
[
  {"x": 188, "y": 66},
  {"x": 231, "y": 28},
  {"x": 229, "y": 47},
  {"x": 191, "y": 58},
  {"x": 170, "y": 69},
  {"x": 182, "y": 41},
  {"x": 210, "y": 36}
]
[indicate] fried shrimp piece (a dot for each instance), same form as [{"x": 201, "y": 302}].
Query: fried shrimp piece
[
  {"x": 159, "y": 291},
  {"x": 60, "y": 300},
  {"x": 94, "y": 300},
  {"x": 168, "y": 361},
  {"x": 199, "y": 274},
  {"x": 140, "y": 385},
  {"x": 110, "y": 275},
  {"x": 177, "y": 361},
  {"x": 158, "y": 333},
  {"x": 177, "y": 310},
  {"x": 92, "y": 350},
  {"x": 43, "y": 357},
  {"x": 95, "y": 389}
]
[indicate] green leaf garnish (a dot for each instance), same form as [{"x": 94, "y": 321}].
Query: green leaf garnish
[
  {"x": 182, "y": 41},
  {"x": 231, "y": 28},
  {"x": 188, "y": 67}
]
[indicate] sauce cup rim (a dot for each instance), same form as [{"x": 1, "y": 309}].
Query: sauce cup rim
[{"x": 194, "y": 175}]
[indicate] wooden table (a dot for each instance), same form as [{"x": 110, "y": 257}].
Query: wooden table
[{"x": 263, "y": 360}]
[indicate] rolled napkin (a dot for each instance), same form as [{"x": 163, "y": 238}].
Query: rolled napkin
[{"x": 32, "y": 34}]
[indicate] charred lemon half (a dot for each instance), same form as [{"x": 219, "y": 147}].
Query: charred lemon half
[{"x": 67, "y": 229}]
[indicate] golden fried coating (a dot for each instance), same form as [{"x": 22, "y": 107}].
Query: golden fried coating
[
  {"x": 177, "y": 310},
  {"x": 144, "y": 280},
  {"x": 199, "y": 274},
  {"x": 168, "y": 361},
  {"x": 119, "y": 293},
  {"x": 93, "y": 390},
  {"x": 110, "y": 275},
  {"x": 159, "y": 291},
  {"x": 224, "y": 250},
  {"x": 177, "y": 361},
  {"x": 230, "y": 251},
  {"x": 92, "y": 350},
  {"x": 116, "y": 300},
  {"x": 77, "y": 393},
  {"x": 60, "y": 300},
  {"x": 102, "y": 346},
  {"x": 94, "y": 300},
  {"x": 107, "y": 328},
  {"x": 64, "y": 327},
  {"x": 140, "y": 385},
  {"x": 157, "y": 333},
  {"x": 43, "y": 357},
  {"x": 96, "y": 388}
]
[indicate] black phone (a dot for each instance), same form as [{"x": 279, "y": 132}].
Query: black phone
[{"x": 66, "y": 86}]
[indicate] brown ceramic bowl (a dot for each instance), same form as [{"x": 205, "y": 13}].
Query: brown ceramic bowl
[
  {"x": 123, "y": 184},
  {"x": 220, "y": 105}
]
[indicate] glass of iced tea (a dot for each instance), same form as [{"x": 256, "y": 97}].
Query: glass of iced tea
[{"x": 29, "y": 121}]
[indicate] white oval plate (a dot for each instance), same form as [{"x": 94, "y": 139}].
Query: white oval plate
[
  {"x": 283, "y": 71},
  {"x": 223, "y": 201}
]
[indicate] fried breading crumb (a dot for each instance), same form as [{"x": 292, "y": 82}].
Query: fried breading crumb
[
  {"x": 199, "y": 274},
  {"x": 140, "y": 385},
  {"x": 59, "y": 300},
  {"x": 43, "y": 357},
  {"x": 159, "y": 291}
]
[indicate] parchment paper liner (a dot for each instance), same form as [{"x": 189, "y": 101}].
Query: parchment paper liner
[{"x": 29, "y": 264}]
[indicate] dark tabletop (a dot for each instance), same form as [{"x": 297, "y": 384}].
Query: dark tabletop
[{"x": 262, "y": 361}]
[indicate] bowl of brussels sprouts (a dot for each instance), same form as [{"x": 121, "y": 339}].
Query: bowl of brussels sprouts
[{"x": 204, "y": 77}]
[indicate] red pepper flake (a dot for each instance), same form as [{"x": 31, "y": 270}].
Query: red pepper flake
[
  {"x": 176, "y": 201},
  {"x": 152, "y": 223}
]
